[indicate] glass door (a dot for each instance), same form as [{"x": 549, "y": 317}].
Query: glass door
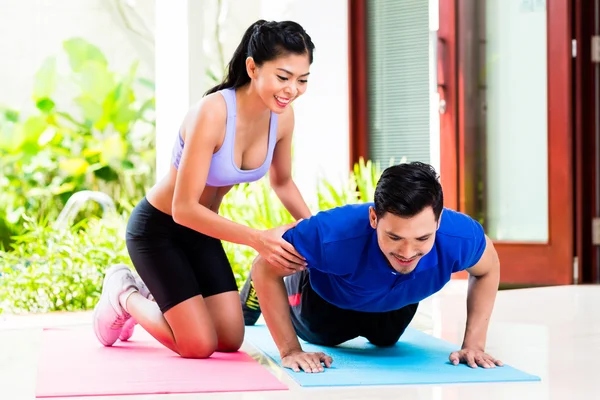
[{"x": 511, "y": 124}]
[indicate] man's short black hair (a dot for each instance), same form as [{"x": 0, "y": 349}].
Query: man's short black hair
[{"x": 407, "y": 189}]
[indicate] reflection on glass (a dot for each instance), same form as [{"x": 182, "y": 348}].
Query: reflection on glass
[{"x": 516, "y": 126}]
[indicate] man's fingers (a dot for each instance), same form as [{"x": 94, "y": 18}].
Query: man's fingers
[
  {"x": 326, "y": 359},
  {"x": 482, "y": 361},
  {"x": 311, "y": 363},
  {"x": 470, "y": 359},
  {"x": 491, "y": 361},
  {"x": 316, "y": 364},
  {"x": 454, "y": 358},
  {"x": 304, "y": 365},
  {"x": 295, "y": 367},
  {"x": 474, "y": 359}
]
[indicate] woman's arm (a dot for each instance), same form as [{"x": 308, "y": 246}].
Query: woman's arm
[
  {"x": 280, "y": 173},
  {"x": 203, "y": 134}
]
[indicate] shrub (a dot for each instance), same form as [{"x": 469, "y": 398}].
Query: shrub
[
  {"x": 95, "y": 133},
  {"x": 52, "y": 270}
]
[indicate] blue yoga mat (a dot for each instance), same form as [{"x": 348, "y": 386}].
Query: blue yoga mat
[{"x": 417, "y": 358}]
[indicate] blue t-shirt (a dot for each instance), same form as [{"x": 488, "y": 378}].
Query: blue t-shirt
[{"x": 348, "y": 269}]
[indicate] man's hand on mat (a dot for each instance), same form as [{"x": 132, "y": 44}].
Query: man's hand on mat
[
  {"x": 278, "y": 252},
  {"x": 309, "y": 362},
  {"x": 474, "y": 358}
]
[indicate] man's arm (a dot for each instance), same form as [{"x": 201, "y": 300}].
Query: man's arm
[
  {"x": 484, "y": 278},
  {"x": 269, "y": 285},
  {"x": 270, "y": 288}
]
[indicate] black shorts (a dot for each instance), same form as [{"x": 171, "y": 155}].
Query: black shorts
[
  {"x": 175, "y": 262},
  {"x": 320, "y": 322}
]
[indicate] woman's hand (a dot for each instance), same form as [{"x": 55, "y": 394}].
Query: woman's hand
[{"x": 278, "y": 252}]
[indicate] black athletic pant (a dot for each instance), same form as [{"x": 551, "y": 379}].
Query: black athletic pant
[
  {"x": 175, "y": 262},
  {"x": 319, "y": 322}
]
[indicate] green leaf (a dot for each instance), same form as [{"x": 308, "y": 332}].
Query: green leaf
[
  {"x": 92, "y": 110},
  {"x": 107, "y": 174},
  {"x": 114, "y": 149},
  {"x": 45, "y": 79},
  {"x": 71, "y": 119},
  {"x": 95, "y": 80},
  {"x": 79, "y": 51},
  {"x": 11, "y": 137},
  {"x": 90, "y": 152},
  {"x": 11, "y": 115},
  {"x": 64, "y": 188},
  {"x": 74, "y": 166},
  {"x": 126, "y": 164},
  {"x": 147, "y": 83},
  {"x": 34, "y": 127},
  {"x": 45, "y": 105}
]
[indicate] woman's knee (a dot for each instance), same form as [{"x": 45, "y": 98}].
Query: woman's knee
[
  {"x": 199, "y": 348},
  {"x": 231, "y": 344},
  {"x": 231, "y": 340}
]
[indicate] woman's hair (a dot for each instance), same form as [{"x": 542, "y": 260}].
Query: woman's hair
[{"x": 265, "y": 41}]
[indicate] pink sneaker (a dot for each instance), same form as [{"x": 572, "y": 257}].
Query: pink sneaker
[
  {"x": 109, "y": 316},
  {"x": 130, "y": 324}
]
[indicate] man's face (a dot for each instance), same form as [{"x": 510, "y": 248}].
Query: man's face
[{"x": 404, "y": 241}]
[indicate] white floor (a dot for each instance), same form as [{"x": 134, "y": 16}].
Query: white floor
[{"x": 550, "y": 332}]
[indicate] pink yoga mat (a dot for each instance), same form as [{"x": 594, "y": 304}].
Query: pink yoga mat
[{"x": 73, "y": 363}]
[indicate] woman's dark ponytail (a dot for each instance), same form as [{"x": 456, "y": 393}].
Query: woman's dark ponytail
[
  {"x": 264, "y": 41},
  {"x": 237, "y": 76}
]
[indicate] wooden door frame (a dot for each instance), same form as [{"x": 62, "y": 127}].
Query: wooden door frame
[
  {"x": 447, "y": 77},
  {"x": 357, "y": 81}
]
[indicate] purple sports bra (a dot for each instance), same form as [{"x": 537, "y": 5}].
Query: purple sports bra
[{"x": 223, "y": 171}]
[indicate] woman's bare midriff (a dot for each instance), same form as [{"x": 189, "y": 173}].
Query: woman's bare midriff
[{"x": 161, "y": 194}]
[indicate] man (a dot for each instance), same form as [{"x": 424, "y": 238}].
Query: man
[{"x": 367, "y": 268}]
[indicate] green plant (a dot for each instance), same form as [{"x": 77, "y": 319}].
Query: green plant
[
  {"x": 50, "y": 270},
  {"x": 100, "y": 137}
]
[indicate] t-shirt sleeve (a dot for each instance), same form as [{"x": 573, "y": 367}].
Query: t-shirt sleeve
[
  {"x": 306, "y": 239},
  {"x": 473, "y": 249}
]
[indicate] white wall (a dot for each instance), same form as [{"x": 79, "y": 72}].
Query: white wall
[
  {"x": 322, "y": 114},
  {"x": 322, "y": 117}
]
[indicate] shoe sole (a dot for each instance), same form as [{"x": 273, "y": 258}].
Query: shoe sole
[{"x": 103, "y": 297}]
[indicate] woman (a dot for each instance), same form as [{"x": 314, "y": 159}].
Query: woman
[{"x": 241, "y": 129}]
